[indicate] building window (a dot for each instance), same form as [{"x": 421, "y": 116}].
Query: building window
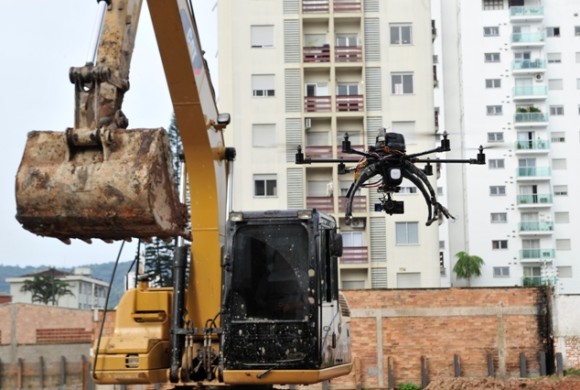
[
  {"x": 401, "y": 34},
  {"x": 263, "y": 85},
  {"x": 559, "y": 164},
  {"x": 553, "y": 31},
  {"x": 265, "y": 185},
  {"x": 408, "y": 190},
  {"x": 554, "y": 58},
  {"x": 556, "y": 110},
  {"x": 561, "y": 190},
  {"x": 407, "y": 233},
  {"x": 491, "y": 57},
  {"x": 495, "y": 137},
  {"x": 562, "y": 217},
  {"x": 563, "y": 244},
  {"x": 564, "y": 271},
  {"x": 494, "y": 110},
  {"x": 262, "y": 36},
  {"x": 498, "y": 217},
  {"x": 496, "y": 163},
  {"x": 401, "y": 83},
  {"x": 497, "y": 190},
  {"x": 492, "y": 31},
  {"x": 501, "y": 272},
  {"x": 558, "y": 137},
  {"x": 489, "y": 5},
  {"x": 347, "y": 89},
  {"x": 263, "y": 135},
  {"x": 499, "y": 244},
  {"x": 555, "y": 84},
  {"x": 493, "y": 83}
]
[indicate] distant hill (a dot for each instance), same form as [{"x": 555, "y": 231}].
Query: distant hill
[{"x": 98, "y": 271}]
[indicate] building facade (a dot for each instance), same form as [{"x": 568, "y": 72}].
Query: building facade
[
  {"x": 305, "y": 73},
  {"x": 512, "y": 82},
  {"x": 87, "y": 293}
]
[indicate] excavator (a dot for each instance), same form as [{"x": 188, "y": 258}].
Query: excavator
[{"x": 255, "y": 299}]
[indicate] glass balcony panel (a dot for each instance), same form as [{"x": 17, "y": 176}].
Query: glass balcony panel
[
  {"x": 530, "y": 91},
  {"x": 541, "y": 226},
  {"x": 534, "y": 171},
  {"x": 528, "y": 64},
  {"x": 537, "y": 253},
  {"x": 526, "y": 11},
  {"x": 530, "y": 281},
  {"x": 534, "y": 199},
  {"x": 528, "y": 37},
  {"x": 533, "y": 145},
  {"x": 530, "y": 117}
]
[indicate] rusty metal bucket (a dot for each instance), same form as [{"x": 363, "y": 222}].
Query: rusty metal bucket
[{"x": 121, "y": 190}]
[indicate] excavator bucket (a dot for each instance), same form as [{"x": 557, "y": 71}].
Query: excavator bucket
[{"x": 115, "y": 191}]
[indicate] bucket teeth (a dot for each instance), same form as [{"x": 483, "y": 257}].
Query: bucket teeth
[{"x": 123, "y": 190}]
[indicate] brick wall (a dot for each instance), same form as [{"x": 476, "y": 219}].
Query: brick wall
[
  {"x": 63, "y": 335},
  {"x": 401, "y": 326},
  {"x": 567, "y": 329}
]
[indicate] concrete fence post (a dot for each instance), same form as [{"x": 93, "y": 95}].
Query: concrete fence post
[
  {"x": 62, "y": 372},
  {"x": 424, "y": 372},
  {"x": 543, "y": 367},
  {"x": 41, "y": 371},
  {"x": 490, "y": 367},
  {"x": 523, "y": 365},
  {"x": 456, "y": 365},
  {"x": 390, "y": 373},
  {"x": 20, "y": 374},
  {"x": 559, "y": 364}
]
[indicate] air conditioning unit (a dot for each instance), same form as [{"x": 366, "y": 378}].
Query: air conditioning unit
[
  {"x": 307, "y": 123},
  {"x": 539, "y": 77},
  {"x": 359, "y": 223}
]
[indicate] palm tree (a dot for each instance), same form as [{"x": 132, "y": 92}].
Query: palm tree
[
  {"x": 46, "y": 288},
  {"x": 467, "y": 266}
]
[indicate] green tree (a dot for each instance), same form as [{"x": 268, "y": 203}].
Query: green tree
[
  {"x": 46, "y": 287},
  {"x": 159, "y": 253},
  {"x": 467, "y": 266}
]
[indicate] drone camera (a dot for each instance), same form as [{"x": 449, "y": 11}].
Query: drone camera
[{"x": 391, "y": 206}]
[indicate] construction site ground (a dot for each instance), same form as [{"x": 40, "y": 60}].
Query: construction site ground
[{"x": 543, "y": 383}]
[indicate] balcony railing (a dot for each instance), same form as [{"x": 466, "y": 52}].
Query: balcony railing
[
  {"x": 321, "y": 203},
  {"x": 317, "y": 103},
  {"x": 534, "y": 199},
  {"x": 348, "y": 53},
  {"x": 347, "y": 6},
  {"x": 533, "y": 145},
  {"x": 530, "y": 117},
  {"x": 528, "y": 64},
  {"x": 537, "y": 253},
  {"x": 349, "y": 102},
  {"x": 316, "y": 54},
  {"x": 314, "y": 6},
  {"x": 526, "y": 11},
  {"x": 536, "y": 226},
  {"x": 359, "y": 203},
  {"x": 355, "y": 255},
  {"x": 538, "y": 37},
  {"x": 531, "y": 281},
  {"x": 319, "y": 151},
  {"x": 540, "y": 90},
  {"x": 533, "y": 171}
]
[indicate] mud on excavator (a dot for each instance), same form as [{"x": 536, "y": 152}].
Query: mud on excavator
[{"x": 261, "y": 305}]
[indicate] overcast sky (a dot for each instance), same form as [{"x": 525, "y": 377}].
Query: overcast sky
[{"x": 39, "y": 41}]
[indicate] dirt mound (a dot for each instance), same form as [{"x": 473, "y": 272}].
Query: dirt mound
[{"x": 544, "y": 383}]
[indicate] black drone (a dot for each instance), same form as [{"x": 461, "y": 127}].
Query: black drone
[{"x": 388, "y": 160}]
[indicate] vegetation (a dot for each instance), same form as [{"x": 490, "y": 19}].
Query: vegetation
[
  {"x": 467, "y": 266},
  {"x": 46, "y": 287},
  {"x": 408, "y": 386}
]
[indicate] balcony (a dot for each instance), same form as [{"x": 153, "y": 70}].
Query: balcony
[
  {"x": 348, "y": 54},
  {"x": 531, "y": 119},
  {"x": 355, "y": 255},
  {"x": 534, "y": 281},
  {"x": 528, "y": 66},
  {"x": 523, "y": 13},
  {"x": 309, "y": 6},
  {"x": 528, "y": 39},
  {"x": 318, "y": 151},
  {"x": 313, "y": 54},
  {"x": 349, "y": 103},
  {"x": 537, "y": 254},
  {"x": 533, "y": 172},
  {"x": 530, "y": 92},
  {"x": 533, "y": 146},
  {"x": 320, "y": 203},
  {"x": 542, "y": 200},
  {"x": 317, "y": 103},
  {"x": 359, "y": 203},
  {"x": 347, "y": 6},
  {"x": 536, "y": 227}
]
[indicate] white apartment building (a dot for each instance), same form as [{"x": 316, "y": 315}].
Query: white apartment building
[
  {"x": 305, "y": 72},
  {"x": 512, "y": 83},
  {"x": 88, "y": 293}
]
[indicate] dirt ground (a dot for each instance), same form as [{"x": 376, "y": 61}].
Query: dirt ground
[{"x": 544, "y": 383}]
